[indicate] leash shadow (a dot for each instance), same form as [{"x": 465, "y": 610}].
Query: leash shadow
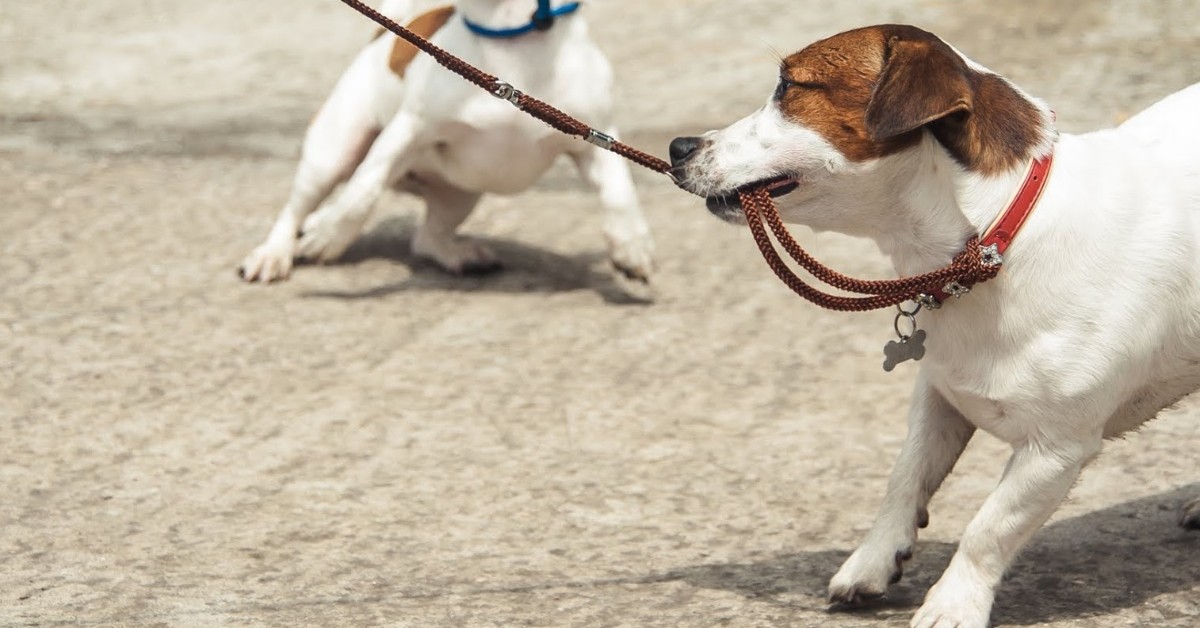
[
  {"x": 526, "y": 269},
  {"x": 1094, "y": 564}
]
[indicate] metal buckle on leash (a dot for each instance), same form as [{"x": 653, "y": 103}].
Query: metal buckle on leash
[
  {"x": 600, "y": 139},
  {"x": 504, "y": 91}
]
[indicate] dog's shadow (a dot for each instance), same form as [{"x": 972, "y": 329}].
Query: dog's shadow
[
  {"x": 525, "y": 269},
  {"x": 1093, "y": 564}
]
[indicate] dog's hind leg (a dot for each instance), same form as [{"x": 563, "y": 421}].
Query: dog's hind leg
[
  {"x": 446, "y": 207},
  {"x": 937, "y": 435},
  {"x": 630, "y": 246},
  {"x": 1189, "y": 516}
]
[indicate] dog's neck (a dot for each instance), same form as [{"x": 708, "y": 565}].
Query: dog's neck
[
  {"x": 499, "y": 13},
  {"x": 933, "y": 204},
  {"x": 962, "y": 174}
]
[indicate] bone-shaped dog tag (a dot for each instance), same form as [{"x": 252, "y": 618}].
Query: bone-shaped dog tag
[{"x": 910, "y": 348}]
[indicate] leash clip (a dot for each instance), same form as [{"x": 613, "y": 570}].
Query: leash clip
[
  {"x": 599, "y": 139},
  {"x": 504, "y": 91}
]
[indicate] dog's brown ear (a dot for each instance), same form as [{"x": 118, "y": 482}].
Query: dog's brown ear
[{"x": 922, "y": 81}]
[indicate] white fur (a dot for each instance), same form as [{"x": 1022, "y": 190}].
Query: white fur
[
  {"x": 1092, "y": 326},
  {"x": 435, "y": 134}
]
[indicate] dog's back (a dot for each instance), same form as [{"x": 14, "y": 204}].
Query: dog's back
[
  {"x": 1161, "y": 155},
  {"x": 1169, "y": 132},
  {"x": 1175, "y": 117}
]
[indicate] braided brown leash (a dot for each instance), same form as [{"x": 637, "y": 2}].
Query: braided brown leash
[
  {"x": 966, "y": 269},
  {"x": 961, "y": 267}
]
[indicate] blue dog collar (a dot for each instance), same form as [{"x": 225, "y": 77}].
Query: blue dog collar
[{"x": 543, "y": 19}]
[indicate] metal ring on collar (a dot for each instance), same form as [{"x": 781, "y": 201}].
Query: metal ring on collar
[{"x": 912, "y": 321}]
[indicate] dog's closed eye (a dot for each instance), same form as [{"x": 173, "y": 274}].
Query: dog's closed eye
[{"x": 785, "y": 83}]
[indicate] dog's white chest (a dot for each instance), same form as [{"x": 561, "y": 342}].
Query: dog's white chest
[
  {"x": 994, "y": 393},
  {"x": 989, "y": 415}
]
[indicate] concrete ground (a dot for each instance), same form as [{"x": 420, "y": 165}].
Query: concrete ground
[{"x": 376, "y": 443}]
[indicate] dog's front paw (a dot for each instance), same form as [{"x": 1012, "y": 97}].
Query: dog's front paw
[
  {"x": 325, "y": 236},
  {"x": 633, "y": 256},
  {"x": 1189, "y": 517},
  {"x": 865, "y": 576},
  {"x": 955, "y": 603},
  {"x": 270, "y": 261}
]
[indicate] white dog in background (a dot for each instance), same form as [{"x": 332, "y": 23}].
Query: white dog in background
[
  {"x": 1091, "y": 327},
  {"x": 398, "y": 119}
]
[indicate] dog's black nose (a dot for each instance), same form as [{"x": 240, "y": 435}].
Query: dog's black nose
[{"x": 682, "y": 148}]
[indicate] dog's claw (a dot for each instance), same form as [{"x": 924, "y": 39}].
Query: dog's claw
[
  {"x": 633, "y": 257},
  {"x": 853, "y": 597},
  {"x": 631, "y": 274},
  {"x": 1189, "y": 516},
  {"x": 901, "y": 556}
]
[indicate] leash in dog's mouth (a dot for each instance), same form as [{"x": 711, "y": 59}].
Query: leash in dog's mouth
[{"x": 776, "y": 186}]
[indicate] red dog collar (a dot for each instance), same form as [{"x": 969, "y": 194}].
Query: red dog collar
[{"x": 1000, "y": 234}]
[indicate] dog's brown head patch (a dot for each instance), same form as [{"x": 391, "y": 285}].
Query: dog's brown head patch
[
  {"x": 425, "y": 25},
  {"x": 871, "y": 91}
]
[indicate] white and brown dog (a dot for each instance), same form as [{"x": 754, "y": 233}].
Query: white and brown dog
[
  {"x": 396, "y": 118},
  {"x": 1092, "y": 326}
]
